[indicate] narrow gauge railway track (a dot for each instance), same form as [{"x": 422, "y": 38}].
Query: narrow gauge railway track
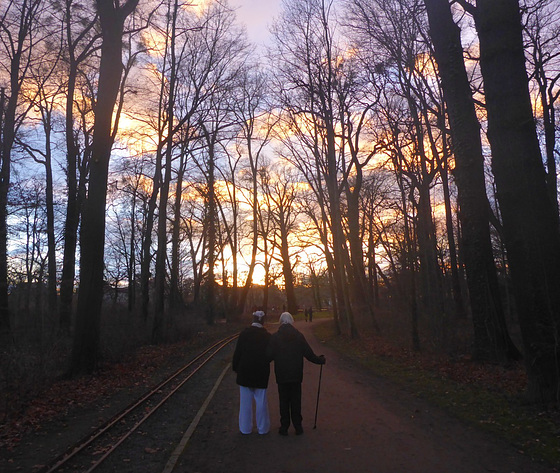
[{"x": 109, "y": 436}]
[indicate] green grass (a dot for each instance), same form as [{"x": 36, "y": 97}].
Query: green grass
[{"x": 531, "y": 430}]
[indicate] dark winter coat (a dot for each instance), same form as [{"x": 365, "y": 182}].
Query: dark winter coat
[
  {"x": 287, "y": 348},
  {"x": 249, "y": 359}
]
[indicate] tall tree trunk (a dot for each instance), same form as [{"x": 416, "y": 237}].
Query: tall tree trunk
[
  {"x": 491, "y": 338},
  {"x": 363, "y": 302},
  {"x": 255, "y": 233},
  {"x": 20, "y": 47},
  {"x": 430, "y": 272},
  {"x": 85, "y": 351},
  {"x": 131, "y": 292},
  {"x": 322, "y": 226},
  {"x": 147, "y": 240},
  {"x": 549, "y": 117},
  {"x": 287, "y": 270},
  {"x": 373, "y": 277},
  {"x": 146, "y": 261},
  {"x": 72, "y": 210},
  {"x": 333, "y": 196},
  {"x": 74, "y": 197},
  {"x": 7, "y": 120},
  {"x": 453, "y": 262},
  {"x": 530, "y": 223},
  {"x": 267, "y": 278},
  {"x": 210, "y": 281},
  {"x": 51, "y": 241},
  {"x": 409, "y": 267},
  {"x": 19, "y": 51},
  {"x": 429, "y": 268},
  {"x": 542, "y": 58},
  {"x": 175, "y": 296},
  {"x": 160, "y": 317}
]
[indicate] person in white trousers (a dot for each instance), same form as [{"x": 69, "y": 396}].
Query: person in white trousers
[{"x": 253, "y": 370}]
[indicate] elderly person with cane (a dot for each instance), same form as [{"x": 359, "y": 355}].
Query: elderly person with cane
[
  {"x": 287, "y": 348},
  {"x": 253, "y": 370}
]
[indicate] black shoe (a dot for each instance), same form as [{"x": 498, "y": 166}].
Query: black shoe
[
  {"x": 283, "y": 431},
  {"x": 299, "y": 430}
]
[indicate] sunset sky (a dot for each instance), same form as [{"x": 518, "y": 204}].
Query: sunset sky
[{"x": 257, "y": 15}]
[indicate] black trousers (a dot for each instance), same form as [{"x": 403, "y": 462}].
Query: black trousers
[{"x": 290, "y": 404}]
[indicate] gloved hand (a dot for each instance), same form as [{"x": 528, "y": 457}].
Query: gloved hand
[{"x": 323, "y": 359}]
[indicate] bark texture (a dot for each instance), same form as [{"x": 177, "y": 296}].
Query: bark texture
[
  {"x": 531, "y": 234},
  {"x": 492, "y": 340}
]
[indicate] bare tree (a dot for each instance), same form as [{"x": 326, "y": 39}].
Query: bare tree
[
  {"x": 43, "y": 93},
  {"x": 256, "y": 128},
  {"x": 194, "y": 230},
  {"x": 92, "y": 238},
  {"x": 20, "y": 27},
  {"x": 80, "y": 42},
  {"x": 530, "y": 222},
  {"x": 308, "y": 55},
  {"x": 371, "y": 204},
  {"x": 391, "y": 38},
  {"x": 279, "y": 188},
  {"x": 225, "y": 49},
  {"x": 492, "y": 341},
  {"x": 172, "y": 56},
  {"x": 129, "y": 201},
  {"x": 28, "y": 210},
  {"x": 543, "y": 52},
  {"x": 175, "y": 294}
]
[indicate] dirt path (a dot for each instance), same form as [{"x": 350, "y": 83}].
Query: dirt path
[{"x": 365, "y": 425}]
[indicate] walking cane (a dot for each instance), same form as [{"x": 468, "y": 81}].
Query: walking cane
[{"x": 318, "y": 392}]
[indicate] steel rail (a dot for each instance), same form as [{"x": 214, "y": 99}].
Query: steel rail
[{"x": 63, "y": 458}]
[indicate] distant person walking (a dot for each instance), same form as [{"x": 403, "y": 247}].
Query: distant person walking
[
  {"x": 287, "y": 348},
  {"x": 310, "y": 311},
  {"x": 253, "y": 370}
]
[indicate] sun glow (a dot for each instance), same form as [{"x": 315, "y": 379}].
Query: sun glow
[{"x": 199, "y": 5}]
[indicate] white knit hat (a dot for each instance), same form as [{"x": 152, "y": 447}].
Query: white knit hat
[{"x": 286, "y": 318}]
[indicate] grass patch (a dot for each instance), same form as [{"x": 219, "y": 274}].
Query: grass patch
[
  {"x": 471, "y": 392},
  {"x": 317, "y": 315}
]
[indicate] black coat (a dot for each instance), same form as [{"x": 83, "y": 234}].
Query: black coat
[
  {"x": 249, "y": 359},
  {"x": 287, "y": 348}
]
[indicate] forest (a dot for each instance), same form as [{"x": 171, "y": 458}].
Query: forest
[{"x": 378, "y": 157}]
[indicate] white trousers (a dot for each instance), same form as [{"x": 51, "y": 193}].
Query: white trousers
[{"x": 246, "y": 397}]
